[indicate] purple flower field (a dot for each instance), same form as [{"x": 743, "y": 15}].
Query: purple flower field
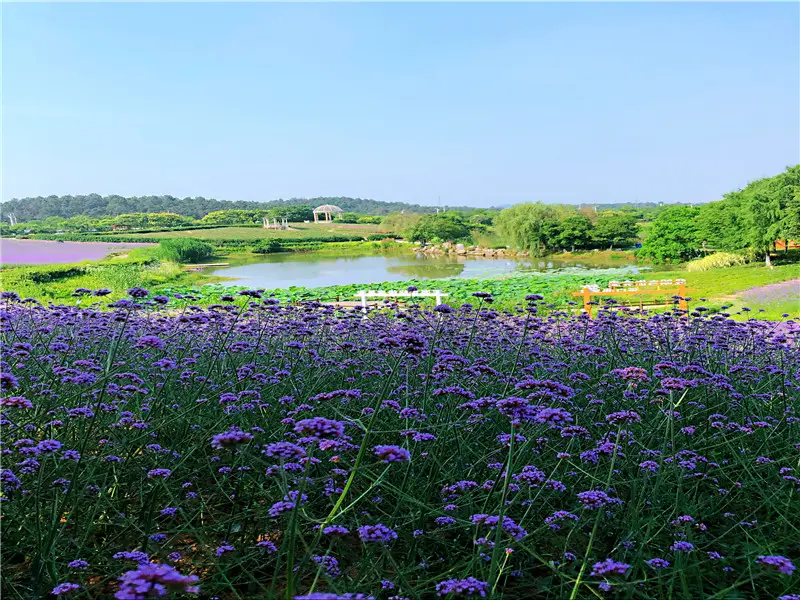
[
  {"x": 254, "y": 450},
  {"x": 40, "y": 252}
]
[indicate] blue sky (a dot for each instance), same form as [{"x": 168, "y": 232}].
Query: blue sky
[{"x": 481, "y": 104}]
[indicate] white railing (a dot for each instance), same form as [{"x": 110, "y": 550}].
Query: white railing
[
  {"x": 634, "y": 286},
  {"x": 364, "y": 294}
]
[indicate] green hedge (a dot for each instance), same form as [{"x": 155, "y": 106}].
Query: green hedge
[
  {"x": 93, "y": 237},
  {"x": 181, "y": 228}
]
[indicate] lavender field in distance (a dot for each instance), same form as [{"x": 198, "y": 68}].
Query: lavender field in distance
[{"x": 40, "y": 252}]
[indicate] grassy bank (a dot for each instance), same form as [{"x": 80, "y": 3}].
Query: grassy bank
[{"x": 721, "y": 286}]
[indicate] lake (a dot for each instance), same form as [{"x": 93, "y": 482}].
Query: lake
[
  {"x": 40, "y": 252},
  {"x": 285, "y": 270}
]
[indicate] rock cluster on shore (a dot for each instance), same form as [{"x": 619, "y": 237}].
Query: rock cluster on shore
[{"x": 462, "y": 250}]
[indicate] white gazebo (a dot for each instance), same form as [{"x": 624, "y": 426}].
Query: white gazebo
[{"x": 329, "y": 210}]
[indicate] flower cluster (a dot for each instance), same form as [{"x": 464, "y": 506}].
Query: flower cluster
[{"x": 415, "y": 453}]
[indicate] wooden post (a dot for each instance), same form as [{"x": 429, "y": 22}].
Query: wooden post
[
  {"x": 586, "y": 299},
  {"x": 438, "y": 297},
  {"x": 682, "y": 303}
]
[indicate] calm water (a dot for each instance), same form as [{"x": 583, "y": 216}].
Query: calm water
[
  {"x": 40, "y": 252},
  {"x": 314, "y": 270}
]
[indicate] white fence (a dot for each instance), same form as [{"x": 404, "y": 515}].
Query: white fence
[
  {"x": 635, "y": 286},
  {"x": 374, "y": 294}
]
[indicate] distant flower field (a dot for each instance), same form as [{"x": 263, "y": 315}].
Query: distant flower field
[{"x": 254, "y": 450}]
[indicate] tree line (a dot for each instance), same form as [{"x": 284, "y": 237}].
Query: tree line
[
  {"x": 750, "y": 220},
  {"x": 543, "y": 229},
  {"x": 95, "y": 205}
]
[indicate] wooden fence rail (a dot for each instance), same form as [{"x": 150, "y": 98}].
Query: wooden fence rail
[{"x": 631, "y": 289}]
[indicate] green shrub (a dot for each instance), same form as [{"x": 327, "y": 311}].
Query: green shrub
[
  {"x": 718, "y": 260},
  {"x": 185, "y": 250},
  {"x": 268, "y": 247}
]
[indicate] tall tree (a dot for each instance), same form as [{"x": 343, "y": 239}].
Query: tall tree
[
  {"x": 445, "y": 227},
  {"x": 575, "y": 232},
  {"x": 673, "y": 235},
  {"x": 764, "y": 215},
  {"x": 526, "y": 226},
  {"x": 790, "y": 199},
  {"x": 720, "y": 224},
  {"x": 400, "y": 223},
  {"x": 614, "y": 228}
]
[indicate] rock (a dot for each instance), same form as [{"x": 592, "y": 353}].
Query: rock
[{"x": 460, "y": 249}]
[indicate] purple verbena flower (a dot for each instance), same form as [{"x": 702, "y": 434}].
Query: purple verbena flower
[
  {"x": 62, "y": 589},
  {"x": 783, "y": 564},
  {"x": 231, "y": 438},
  {"x": 609, "y": 567},
  {"x": 154, "y": 580},
  {"x": 389, "y": 454},
  {"x": 464, "y": 587},
  {"x": 376, "y": 533}
]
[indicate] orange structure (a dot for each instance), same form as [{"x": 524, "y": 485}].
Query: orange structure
[{"x": 630, "y": 289}]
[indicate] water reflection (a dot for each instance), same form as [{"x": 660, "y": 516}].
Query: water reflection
[
  {"x": 316, "y": 269},
  {"x": 427, "y": 270}
]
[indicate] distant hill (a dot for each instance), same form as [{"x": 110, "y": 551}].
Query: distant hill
[{"x": 94, "y": 205}]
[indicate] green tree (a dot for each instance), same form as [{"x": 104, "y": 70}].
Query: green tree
[
  {"x": 673, "y": 235},
  {"x": 789, "y": 194},
  {"x": 234, "y": 217},
  {"x": 168, "y": 220},
  {"x": 576, "y": 232},
  {"x": 445, "y": 227},
  {"x": 615, "y": 229},
  {"x": 755, "y": 217},
  {"x": 400, "y": 223},
  {"x": 349, "y": 217},
  {"x": 483, "y": 216},
  {"x": 764, "y": 215},
  {"x": 293, "y": 214},
  {"x": 81, "y": 223},
  {"x": 527, "y": 226},
  {"x": 720, "y": 225},
  {"x": 131, "y": 220}
]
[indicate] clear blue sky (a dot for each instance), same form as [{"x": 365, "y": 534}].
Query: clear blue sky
[{"x": 481, "y": 104}]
